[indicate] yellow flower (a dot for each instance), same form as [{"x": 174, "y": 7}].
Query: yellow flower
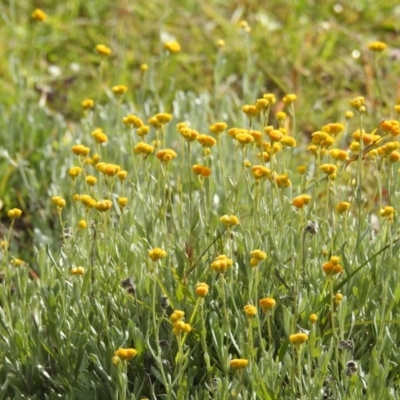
[
  {"x": 157, "y": 253},
  {"x": 91, "y": 180},
  {"x": 144, "y": 67},
  {"x": 143, "y": 148},
  {"x": 125, "y": 354},
  {"x": 99, "y": 136},
  {"x": 332, "y": 267},
  {"x": 298, "y": 338},
  {"x": 288, "y": 141},
  {"x": 267, "y": 304},
  {"x": 221, "y": 263},
  {"x": 172, "y": 46},
  {"x": 239, "y": 363},
  {"x": 119, "y": 90},
  {"x": 38, "y": 15},
  {"x": 202, "y": 289},
  {"x": 328, "y": 169},
  {"x": 189, "y": 134},
  {"x": 338, "y": 298},
  {"x": 250, "y": 310},
  {"x": 229, "y": 220},
  {"x": 333, "y": 128},
  {"x": 270, "y": 97},
  {"x": 132, "y": 120},
  {"x": 339, "y": 154},
  {"x": 244, "y": 138},
  {"x": 349, "y": 114},
  {"x": 218, "y": 127},
  {"x": 122, "y": 175},
  {"x": 143, "y": 130},
  {"x": 343, "y": 207},
  {"x": 198, "y": 169},
  {"x": 166, "y": 155},
  {"x": 18, "y": 263},
  {"x": 280, "y": 116},
  {"x": 80, "y": 150},
  {"x": 82, "y": 224},
  {"x": 244, "y": 25},
  {"x": 177, "y": 315},
  {"x": 103, "y": 205},
  {"x": 289, "y": 99},
  {"x": 163, "y": 118},
  {"x": 302, "y": 169},
  {"x": 122, "y": 201},
  {"x": 58, "y": 201},
  {"x": 377, "y": 46},
  {"x": 206, "y": 140},
  {"x": 261, "y": 104},
  {"x": 358, "y": 103},
  {"x": 258, "y": 255},
  {"x": 387, "y": 212},
  {"x": 103, "y": 50},
  {"x": 14, "y": 213},
  {"x": 313, "y": 318},
  {"x": 275, "y": 135},
  {"x": 77, "y": 270},
  {"x": 301, "y": 201},
  {"x": 87, "y": 201},
  {"x": 250, "y": 111},
  {"x": 87, "y": 104},
  {"x": 115, "y": 360}
]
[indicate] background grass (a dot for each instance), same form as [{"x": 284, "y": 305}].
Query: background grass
[{"x": 59, "y": 332}]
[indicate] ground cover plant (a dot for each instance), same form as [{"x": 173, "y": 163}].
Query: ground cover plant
[{"x": 199, "y": 200}]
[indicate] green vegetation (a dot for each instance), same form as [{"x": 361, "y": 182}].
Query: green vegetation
[{"x": 199, "y": 200}]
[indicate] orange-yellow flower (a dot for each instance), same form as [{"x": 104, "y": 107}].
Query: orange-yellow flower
[
  {"x": 166, "y": 155},
  {"x": 172, "y": 46},
  {"x": 250, "y": 310},
  {"x": 157, "y": 253},
  {"x": 103, "y": 50},
  {"x": 298, "y": 338},
  {"x": 301, "y": 201},
  {"x": 239, "y": 363},
  {"x": 202, "y": 289},
  {"x": 267, "y": 304}
]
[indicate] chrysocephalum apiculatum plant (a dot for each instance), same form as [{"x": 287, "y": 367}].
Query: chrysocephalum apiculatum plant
[{"x": 204, "y": 247}]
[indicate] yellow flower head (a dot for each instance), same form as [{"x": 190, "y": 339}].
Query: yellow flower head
[
  {"x": 143, "y": 148},
  {"x": 377, "y": 46},
  {"x": 80, "y": 150},
  {"x": 189, "y": 134},
  {"x": 288, "y": 141},
  {"x": 166, "y": 155},
  {"x": 157, "y": 253},
  {"x": 206, "y": 140},
  {"x": 119, "y": 90},
  {"x": 177, "y": 315},
  {"x": 144, "y": 67},
  {"x": 198, "y": 169},
  {"x": 270, "y": 97},
  {"x": 250, "y": 310},
  {"x": 143, "y": 130},
  {"x": 73, "y": 172},
  {"x": 339, "y": 154},
  {"x": 122, "y": 201},
  {"x": 38, "y": 15},
  {"x": 77, "y": 271},
  {"x": 313, "y": 318},
  {"x": 18, "y": 262},
  {"x": 387, "y": 212},
  {"x": 58, "y": 201},
  {"x": 267, "y": 304},
  {"x": 218, "y": 127},
  {"x": 338, "y": 298},
  {"x": 343, "y": 207},
  {"x": 122, "y": 175},
  {"x": 99, "y": 136},
  {"x": 244, "y": 138},
  {"x": 328, "y": 169},
  {"x": 221, "y": 263},
  {"x": 163, "y": 118},
  {"x": 258, "y": 255},
  {"x": 229, "y": 220},
  {"x": 103, "y": 205},
  {"x": 87, "y": 104},
  {"x": 125, "y": 354},
  {"x": 332, "y": 267},
  {"x": 82, "y": 224},
  {"x": 298, "y": 338},
  {"x": 289, "y": 99},
  {"x": 250, "y": 111},
  {"x": 261, "y": 104},
  {"x": 132, "y": 121},
  {"x": 91, "y": 180},
  {"x": 172, "y": 46},
  {"x": 280, "y": 116},
  {"x": 103, "y": 50},
  {"x": 301, "y": 201},
  {"x": 239, "y": 363},
  {"x": 202, "y": 289},
  {"x": 14, "y": 213}
]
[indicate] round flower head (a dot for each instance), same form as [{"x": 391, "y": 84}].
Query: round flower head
[
  {"x": 313, "y": 318},
  {"x": 250, "y": 310},
  {"x": 267, "y": 304},
  {"x": 157, "y": 253},
  {"x": 38, "y": 15},
  {"x": 172, "y": 46},
  {"x": 103, "y": 50},
  {"x": 14, "y": 213},
  {"x": 377, "y": 46},
  {"x": 239, "y": 363},
  {"x": 298, "y": 338},
  {"x": 202, "y": 289}
]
